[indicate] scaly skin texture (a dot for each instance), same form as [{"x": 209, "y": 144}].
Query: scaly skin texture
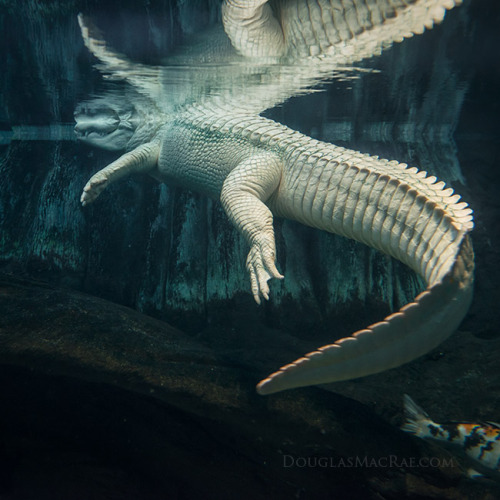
[
  {"x": 349, "y": 30},
  {"x": 260, "y": 169}
]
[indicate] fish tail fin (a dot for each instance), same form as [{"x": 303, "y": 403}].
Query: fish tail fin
[{"x": 417, "y": 419}]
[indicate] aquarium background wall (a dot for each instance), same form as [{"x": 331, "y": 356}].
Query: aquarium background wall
[{"x": 170, "y": 254}]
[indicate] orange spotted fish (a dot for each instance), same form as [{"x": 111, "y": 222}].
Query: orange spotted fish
[{"x": 477, "y": 443}]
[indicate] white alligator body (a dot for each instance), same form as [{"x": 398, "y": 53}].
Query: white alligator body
[{"x": 260, "y": 169}]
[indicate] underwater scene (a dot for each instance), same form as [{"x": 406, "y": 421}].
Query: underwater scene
[{"x": 249, "y": 249}]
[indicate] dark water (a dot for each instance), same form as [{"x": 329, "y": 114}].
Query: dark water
[{"x": 100, "y": 402}]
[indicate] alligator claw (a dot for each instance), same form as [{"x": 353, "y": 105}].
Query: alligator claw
[
  {"x": 261, "y": 266},
  {"x": 94, "y": 187}
]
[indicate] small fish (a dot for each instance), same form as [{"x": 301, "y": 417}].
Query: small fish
[{"x": 478, "y": 443}]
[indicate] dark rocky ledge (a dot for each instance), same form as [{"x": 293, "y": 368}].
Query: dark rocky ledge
[{"x": 103, "y": 402}]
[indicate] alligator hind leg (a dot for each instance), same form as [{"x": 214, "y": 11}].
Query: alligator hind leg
[
  {"x": 243, "y": 196},
  {"x": 142, "y": 159}
]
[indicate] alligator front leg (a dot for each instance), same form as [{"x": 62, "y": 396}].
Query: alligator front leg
[
  {"x": 252, "y": 28},
  {"x": 142, "y": 159},
  {"x": 243, "y": 196}
]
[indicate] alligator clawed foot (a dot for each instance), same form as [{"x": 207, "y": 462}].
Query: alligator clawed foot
[
  {"x": 94, "y": 187},
  {"x": 261, "y": 266}
]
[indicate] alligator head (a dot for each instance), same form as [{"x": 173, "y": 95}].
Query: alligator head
[{"x": 106, "y": 123}]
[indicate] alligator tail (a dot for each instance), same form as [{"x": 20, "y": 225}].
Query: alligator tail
[
  {"x": 403, "y": 213},
  {"x": 401, "y": 337}
]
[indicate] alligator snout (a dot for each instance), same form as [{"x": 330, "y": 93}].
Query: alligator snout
[
  {"x": 103, "y": 126},
  {"x": 93, "y": 120}
]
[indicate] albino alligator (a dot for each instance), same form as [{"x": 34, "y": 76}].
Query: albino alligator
[{"x": 260, "y": 169}]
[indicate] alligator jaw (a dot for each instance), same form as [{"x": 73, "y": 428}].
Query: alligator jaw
[{"x": 103, "y": 126}]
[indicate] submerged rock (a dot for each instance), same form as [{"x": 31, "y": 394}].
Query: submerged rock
[{"x": 104, "y": 399}]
